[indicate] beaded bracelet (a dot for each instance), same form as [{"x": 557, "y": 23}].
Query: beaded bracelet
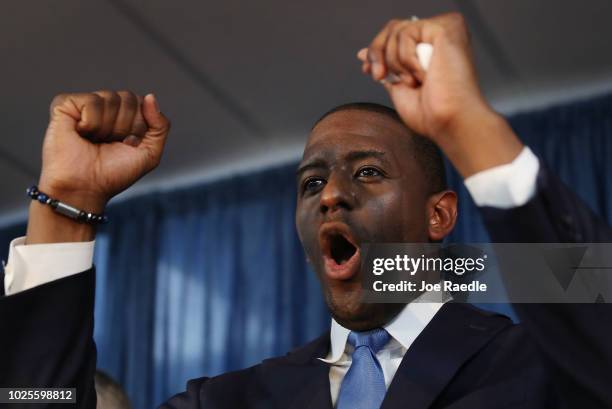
[{"x": 66, "y": 210}]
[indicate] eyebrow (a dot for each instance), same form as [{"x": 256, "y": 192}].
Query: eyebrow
[
  {"x": 352, "y": 156},
  {"x": 359, "y": 155}
]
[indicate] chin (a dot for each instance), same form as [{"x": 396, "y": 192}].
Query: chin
[{"x": 348, "y": 310}]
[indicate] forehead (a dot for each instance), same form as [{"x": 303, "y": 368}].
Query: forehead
[{"x": 345, "y": 130}]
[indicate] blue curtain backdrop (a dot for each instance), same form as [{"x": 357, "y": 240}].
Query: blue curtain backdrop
[{"x": 208, "y": 279}]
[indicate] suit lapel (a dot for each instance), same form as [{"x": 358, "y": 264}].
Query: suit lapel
[
  {"x": 455, "y": 334},
  {"x": 299, "y": 380}
]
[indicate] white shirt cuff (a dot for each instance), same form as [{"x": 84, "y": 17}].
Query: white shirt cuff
[
  {"x": 506, "y": 186},
  {"x": 36, "y": 264}
]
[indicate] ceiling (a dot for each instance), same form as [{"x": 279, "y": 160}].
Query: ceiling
[{"x": 243, "y": 81}]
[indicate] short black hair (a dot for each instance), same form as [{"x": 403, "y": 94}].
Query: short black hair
[{"x": 426, "y": 153}]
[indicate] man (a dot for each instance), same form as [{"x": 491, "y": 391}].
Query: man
[{"x": 364, "y": 176}]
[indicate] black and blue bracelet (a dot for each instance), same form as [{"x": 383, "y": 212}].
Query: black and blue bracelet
[{"x": 66, "y": 210}]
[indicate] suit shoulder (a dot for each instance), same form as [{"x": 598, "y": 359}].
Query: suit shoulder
[
  {"x": 508, "y": 334},
  {"x": 473, "y": 313},
  {"x": 511, "y": 337},
  {"x": 231, "y": 388},
  {"x": 241, "y": 386}
]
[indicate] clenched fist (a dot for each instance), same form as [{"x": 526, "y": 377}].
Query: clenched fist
[
  {"x": 428, "y": 101},
  {"x": 98, "y": 144},
  {"x": 444, "y": 102}
]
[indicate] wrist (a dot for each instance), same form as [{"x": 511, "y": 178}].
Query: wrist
[
  {"x": 479, "y": 139},
  {"x": 48, "y": 225},
  {"x": 83, "y": 199}
]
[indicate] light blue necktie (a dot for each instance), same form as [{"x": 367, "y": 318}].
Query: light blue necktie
[{"x": 363, "y": 386}]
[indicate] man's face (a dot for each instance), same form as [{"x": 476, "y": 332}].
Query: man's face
[{"x": 357, "y": 183}]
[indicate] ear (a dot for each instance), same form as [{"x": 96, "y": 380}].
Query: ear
[{"x": 441, "y": 214}]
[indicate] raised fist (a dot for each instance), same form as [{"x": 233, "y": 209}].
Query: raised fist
[
  {"x": 431, "y": 101},
  {"x": 98, "y": 144}
]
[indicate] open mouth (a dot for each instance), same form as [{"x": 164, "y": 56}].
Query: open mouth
[{"x": 340, "y": 251}]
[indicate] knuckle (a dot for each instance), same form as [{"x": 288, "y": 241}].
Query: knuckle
[
  {"x": 406, "y": 32},
  {"x": 94, "y": 100},
  {"x": 104, "y": 95},
  {"x": 453, "y": 21},
  {"x": 401, "y": 29},
  {"x": 114, "y": 99},
  {"x": 456, "y": 18},
  {"x": 58, "y": 99},
  {"x": 129, "y": 99},
  {"x": 454, "y": 26},
  {"x": 108, "y": 97},
  {"x": 392, "y": 22}
]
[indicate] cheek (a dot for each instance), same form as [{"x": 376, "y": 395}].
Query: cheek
[
  {"x": 413, "y": 219},
  {"x": 306, "y": 227},
  {"x": 394, "y": 216}
]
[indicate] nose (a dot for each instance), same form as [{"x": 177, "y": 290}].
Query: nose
[{"x": 336, "y": 195}]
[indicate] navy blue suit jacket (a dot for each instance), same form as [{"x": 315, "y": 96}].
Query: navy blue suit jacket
[{"x": 559, "y": 356}]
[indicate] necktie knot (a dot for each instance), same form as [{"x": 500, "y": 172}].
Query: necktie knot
[
  {"x": 363, "y": 386},
  {"x": 374, "y": 339}
]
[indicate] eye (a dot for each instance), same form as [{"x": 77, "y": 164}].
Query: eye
[
  {"x": 368, "y": 171},
  {"x": 312, "y": 184}
]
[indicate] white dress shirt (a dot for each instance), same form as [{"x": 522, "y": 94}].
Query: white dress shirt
[
  {"x": 504, "y": 186},
  {"x": 403, "y": 329}
]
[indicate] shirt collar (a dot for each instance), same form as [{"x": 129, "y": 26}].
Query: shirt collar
[{"x": 404, "y": 328}]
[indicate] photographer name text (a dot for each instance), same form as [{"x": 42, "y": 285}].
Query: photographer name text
[{"x": 446, "y": 285}]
